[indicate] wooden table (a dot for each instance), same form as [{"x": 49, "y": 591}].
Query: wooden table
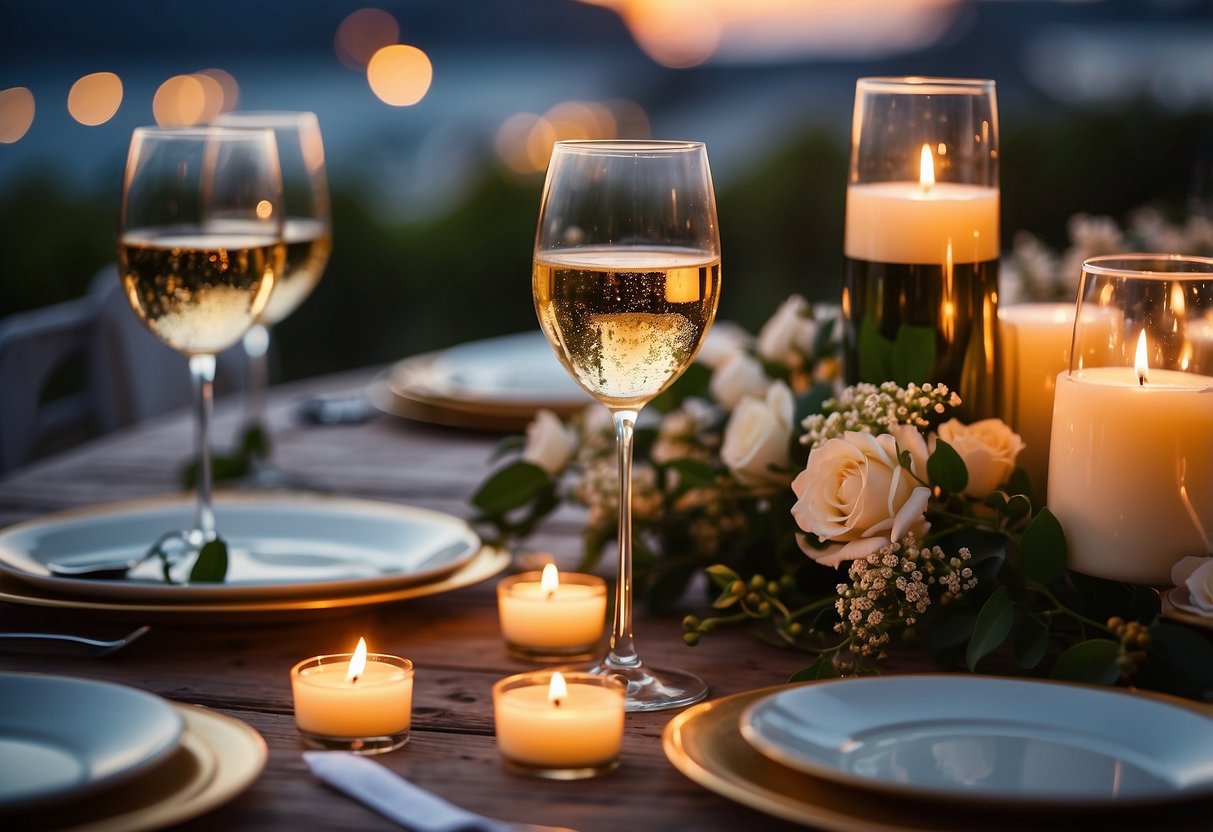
[{"x": 242, "y": 670}]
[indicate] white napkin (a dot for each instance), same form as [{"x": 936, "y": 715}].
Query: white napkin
[{"x": 394, "y": 797}]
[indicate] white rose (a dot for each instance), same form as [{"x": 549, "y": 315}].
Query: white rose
[
  {"x": 1196, "y": 573},
  {"x": 855, "y": 491},
  {"x": 988, "y": 447},
  {"x": 790, "y": 332},
  {"x": 757, "y": 437},
  {"x": 549, "y": 444},
  {"x": 723, "y": 342},
  {"x": 740, "y": 376}
]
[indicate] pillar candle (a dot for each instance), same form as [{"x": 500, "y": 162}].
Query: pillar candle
[{"x": 907, "y": 222}]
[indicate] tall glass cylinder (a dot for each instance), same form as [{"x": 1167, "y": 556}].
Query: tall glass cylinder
[
  {"x": 1131, "y": 455},
  {"x": 920, "y": 298}
]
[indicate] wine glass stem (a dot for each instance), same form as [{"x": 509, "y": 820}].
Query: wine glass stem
[
  {"x": 623, "y": 646},
  {"x": 256, "y": 345},
  {"x": 202, "y": 372}
]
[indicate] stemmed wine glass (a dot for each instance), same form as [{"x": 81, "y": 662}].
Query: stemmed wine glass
[
  {"x": 626, "y": 279},
  {"x": 307, "y": 229},
  {"x": 200, "y": 247}
]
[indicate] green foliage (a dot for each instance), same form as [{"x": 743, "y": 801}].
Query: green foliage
[
  {"x": 946, "y": 469},
  {"x": 211, "y": 564}
]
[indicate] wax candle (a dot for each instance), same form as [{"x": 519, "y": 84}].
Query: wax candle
[
  {"x": 356, "y": 701},
  {"x": 549, "y": 616},
  {"x": 561, "y": 726},
  {"x": 1035, "y": 349},
  {"x": 1131, "y": 470},
  {"x": 911, "y": 223}
]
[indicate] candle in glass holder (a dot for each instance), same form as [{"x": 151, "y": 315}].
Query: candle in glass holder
[
  {"x": 551, "y": 616},
  {"x": 1131, "y": 469},
  {"x": 559, "y": 726},
  {"x": 354, "y": 701}
]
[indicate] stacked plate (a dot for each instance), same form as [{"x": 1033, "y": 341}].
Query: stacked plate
[
  {"x": 949, "y": 752},
  {"x": 83, "y": 755},
  {"x": 288, "y": 553}
]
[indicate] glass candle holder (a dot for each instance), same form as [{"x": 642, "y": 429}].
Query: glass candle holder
[
  {"x": 370, "y": 714},
  {"x": 1131, "y": 453},
  {"x": 559, "y": 726},
  {"x": 559, "y": 623},
  {"x": 920, "y": 295}
]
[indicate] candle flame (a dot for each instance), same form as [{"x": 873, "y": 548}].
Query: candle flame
[
  {"x": 557, "y": 689},
  {"x": 1140, "y": 363},
  {"x": 926, "y": 168},
  {"x": 549, "y": 582},
  {"x": 357, "y": 663}
]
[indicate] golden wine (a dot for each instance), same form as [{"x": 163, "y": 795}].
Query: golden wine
[
  {"x": 308, "y": 244},
  {"x": 920, "y": 323},
  {"x": 198, "y": 292},
  {"x": 626, "y": 322}
]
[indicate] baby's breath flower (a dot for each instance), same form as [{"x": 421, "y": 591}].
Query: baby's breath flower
[{"x": 875, "y": 409}]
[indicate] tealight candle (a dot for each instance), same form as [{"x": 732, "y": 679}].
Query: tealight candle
[
  {"x": 551, "y": 617},
  {"x": 560, "y": 726},
  {"x": 1130, "y": 478},
  {"x": 354, "y": 701}
]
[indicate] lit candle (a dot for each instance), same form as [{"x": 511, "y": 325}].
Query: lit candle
[
  {"x": 550, "y": 616},
  {"x": 1035, "y": 349},
  {"x": 359, "y": 701},
  {"x": 562, "y": 726},
  {"x": 1130, "y": 473}
]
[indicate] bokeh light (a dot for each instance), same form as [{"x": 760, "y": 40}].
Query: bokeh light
[
  {"x": 179, "y": 101},
  {"x": 94, "y": 98},
  {"x": 524, "y": 140},
  {"x": 363, "y": 33},
  {"x": 400, "y": 74},
  {"x": 228, "y": 86},
  {"x": 212, "y": 97},
  {"x": 674, "y": 33},
  {"x": 16, "y": 113}
]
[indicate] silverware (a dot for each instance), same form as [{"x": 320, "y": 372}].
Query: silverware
[
  {"x": 117, "y": 569},
  {"x": 27, "y": 642}
]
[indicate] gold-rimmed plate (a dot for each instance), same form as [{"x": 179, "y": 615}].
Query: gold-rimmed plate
[
  {"x": 705, "y": 743},
  {"x": 217, "y": 759}
]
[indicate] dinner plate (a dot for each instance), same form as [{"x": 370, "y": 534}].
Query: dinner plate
[
  {"x": 61, "y": 738},
  {"x": 705, "y": 743},
  {"x": 217, "y": 759},
  {"x": 490, "y": 384},
  {"x": 279, "y": 546},
  {"x": 990, "y": 740},
  {"x": 487, "y": 563}
]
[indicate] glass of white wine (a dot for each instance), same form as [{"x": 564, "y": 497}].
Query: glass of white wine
[
  {"x": 200, "y": 248},
  {"x": 626, "y": 280},
  {"x": 308, "y": 231}
]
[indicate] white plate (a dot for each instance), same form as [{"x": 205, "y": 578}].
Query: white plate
[
  {"x": 280, "y": 546},
  {"x": 985, "y": 739},
  {"x": 62, "y": 737}
]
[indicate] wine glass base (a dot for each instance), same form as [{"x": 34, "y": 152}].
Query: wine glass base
[{"x": 651, "y": 689}]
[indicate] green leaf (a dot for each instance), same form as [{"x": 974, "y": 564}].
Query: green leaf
[
  {"x": 722, "y": 575},
  {"x": 813, "y": 400},
  {"x": 996, "y": 500},
  {"x": 992, "y": 627},
  {"x": 913, "y": 358},
  {"x": 1031, "y": 642},
  {"x": 1018, "y": 507},
  {"x": 823, "y": 668},
  {"x": 211, "y": 565},
  {"x": 1042, "y": 549},
  {"x": 508, "y": 444},
  {"x": 1092, "y": 661},
  {"x": 946, "y": 469},
  {"x": 824, "y": 343},
  {"x": 692, "y": 473},
  {"x": 511, "y": 487},
  {"x": 875, "y": 353}
]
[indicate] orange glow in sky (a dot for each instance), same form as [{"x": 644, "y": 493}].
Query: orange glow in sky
[
  {"x": 524, "y": 140},
  {"x": 16, "y": 113},
  {"x": 400, "y": 74},
  {"x": 95, "y": 98},
  {"x": 362, "y": 34}
]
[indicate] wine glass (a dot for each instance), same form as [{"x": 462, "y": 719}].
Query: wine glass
[
  {"x": 626, "y": 279},
  {"x": 200, "y": 246},
  {"x": 307, "y": 229}
]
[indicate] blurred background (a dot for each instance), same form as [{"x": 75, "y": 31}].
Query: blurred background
[{"x": 438, "y": 116}]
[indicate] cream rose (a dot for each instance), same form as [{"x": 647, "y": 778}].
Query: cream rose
[
  {"x": 988, "y": 447},
  {"x": 757, "y": 437},
  {"x": 549, "y": 444},
  {"x": 1196, "y": 575},
  {"x": 790, "y": 330},
  {"x": 854, "y": 491},
  {"x": 740, "y": 376}
]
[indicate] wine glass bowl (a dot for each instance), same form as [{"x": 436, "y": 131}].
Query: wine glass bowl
[
  {"x": 199, "y": 251},
  {"x": 626, "y": 281}
]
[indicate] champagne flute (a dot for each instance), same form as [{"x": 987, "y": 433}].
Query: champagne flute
[
  {"x": 626, "y": 279},
  {"x": 200, "y": 246},
  {"x": 307, "y": 230}
]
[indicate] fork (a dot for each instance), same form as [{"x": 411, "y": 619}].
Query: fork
[{"x": 34, "y": 642}]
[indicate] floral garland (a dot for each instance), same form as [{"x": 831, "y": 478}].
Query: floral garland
[{"x": 916, "y": 526}]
